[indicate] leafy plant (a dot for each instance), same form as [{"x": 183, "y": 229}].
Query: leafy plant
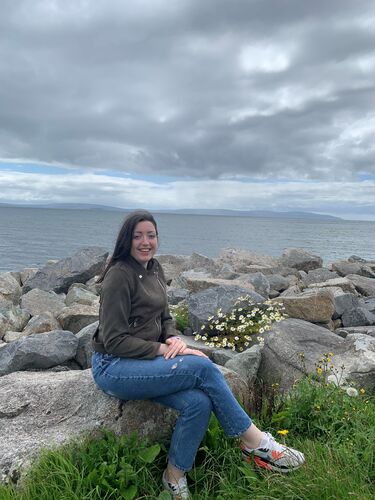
[
  {"x": 238, "y": 328},
  {"x": 180, "y": 314}
]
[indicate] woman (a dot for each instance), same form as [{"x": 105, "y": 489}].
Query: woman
[{"x": 137, "y": 355}]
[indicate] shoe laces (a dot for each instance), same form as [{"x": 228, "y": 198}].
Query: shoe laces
[{"x": 272, "y": 443}]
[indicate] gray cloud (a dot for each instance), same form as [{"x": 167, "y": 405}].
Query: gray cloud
[{"x": 200, "y": 89}]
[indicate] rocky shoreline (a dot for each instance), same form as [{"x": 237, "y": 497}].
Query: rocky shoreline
[{"x": 48, "y": 315}]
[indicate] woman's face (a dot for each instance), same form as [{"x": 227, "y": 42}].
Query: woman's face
[{"x": 144, "y": 243}]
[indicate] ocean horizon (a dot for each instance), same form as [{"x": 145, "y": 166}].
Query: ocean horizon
[{"x": 31, "y": 236}]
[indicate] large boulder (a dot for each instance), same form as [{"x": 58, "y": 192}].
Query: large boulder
[
  {"x": 79, "y": 294},
  {"x": 242, "y": 260},
  {"x": 278, "y": 282},
  {"x": 10, "y": 290},
  {"x": 314, "y": 305},
  {"x": 198, "y": 261},
  {"x": 41, "y": 409},
  {"x": 39, "y": 351},
  {"x": 318, "y": 275},
  {"x": 300, "y": 259},
  {"x": 78, "y": 268},
  {"x": 203, "y": 304},
  {"x": 369, "y": 304},
  {"x": 41, "y": 323},
  {"x": 259, "y": 281},
  {"x": 38, "y": 302},
  {"x": 26, "y": 274},
  {"x": 365, "y": 286},
  {"x": 247, "y": 364},
  {"x": 173, "y": 265},
  {"x": 295, "y": 347},
  {"x": 358, "y": 316},
  {"x": 12, "y": 318},
  {"x": 344, "y": 302},
  {"x": 77, "y": 316},
  {"x": 196, "y": 281},
  {"x": 343, "y": 283},
  {"x": 84, "y": 349},
  {"x": 344, "y": 267},
  {"x": 176, "y": 295}
]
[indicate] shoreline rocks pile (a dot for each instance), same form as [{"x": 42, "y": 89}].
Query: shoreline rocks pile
[{"x": 48, "y": 316}]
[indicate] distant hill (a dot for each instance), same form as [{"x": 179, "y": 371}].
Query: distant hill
[
  {"x": 186, "y": 211},
  {"x": 253, "y": 213}
]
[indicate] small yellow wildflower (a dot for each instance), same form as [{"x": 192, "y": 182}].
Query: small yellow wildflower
[
  {"x": 319, "y": 370},
  {"x": 283, "y": 432},
  {"x": 362, "y": 391}
]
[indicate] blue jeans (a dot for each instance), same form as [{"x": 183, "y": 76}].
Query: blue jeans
[{"x": 193, "y": 385}]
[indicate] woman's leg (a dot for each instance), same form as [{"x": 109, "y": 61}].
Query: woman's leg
[
  {"x": 128, "y": 378},
  {"x": 194, "y": 408}
]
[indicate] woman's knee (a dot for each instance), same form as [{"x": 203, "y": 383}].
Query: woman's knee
[{"x": 198, "y": 401}]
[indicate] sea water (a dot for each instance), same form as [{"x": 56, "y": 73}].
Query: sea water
[{"x": 31, "y": 236}]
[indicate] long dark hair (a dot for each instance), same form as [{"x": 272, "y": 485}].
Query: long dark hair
[{"x": 125, "y": 236}]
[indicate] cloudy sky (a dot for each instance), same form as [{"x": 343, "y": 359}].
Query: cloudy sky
[{"x": 237, "y": 104}]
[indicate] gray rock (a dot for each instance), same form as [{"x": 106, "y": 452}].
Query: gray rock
[
  {"x": 240, "y": 260},
  {"x": 176, "y": 295},
  {"x": 358, "y": 316},
  {"x": 301, "y": 260},
  {"x": 292, "y": 291},
  {"x": 26, "y": 274},
  {"x": 38, "y": 302},
  {"x": 365, "y": 330},
  {"x": 194, "y": 281},
  {"x": 198, "y": 261},
  {"x": 345, "y": 284},
  {"x": 173, "y": 265},
  {"x": 10, "y": 290},
  {"x": 79, "y": 294},
  {"x": 39, "y": 351},
  {"x": 16, "y": 275},
  {"x": 314, "y": 305},
  {"x": 84, "y": 349},
  {"x": 356, "y": 258},
  {"x": 365, "y": 286},
  {"x": 278, "y": 282},
  {"x": 344, "y": 302},
  {"x": 222, "y": 356},
  {"x": 358, "y": 361},
  {"x": 79, "y": 268},
  {"x": 246, "y": 364},
  {"x": 42, "y": 323},
  {"x": 318, "y": 276},
  {"x": 12, "y": 318},
  {"x": 288, "y": 340},
  {"x": 11, "y": 336},
  {"x": 343, "y": 268},
  {"x": 259, "y": 281},
  {"x": 77, "y": 316},
  {"x": 43, "y": 409},
  {"x": 203, "y": 304},
  {"x": 273, "y": 294},
  {"x": 369, "y": 304},
  {"x": 227, "y": 272}
]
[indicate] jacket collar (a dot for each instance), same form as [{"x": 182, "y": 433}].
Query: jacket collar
[{"x": 152, "y": 265}]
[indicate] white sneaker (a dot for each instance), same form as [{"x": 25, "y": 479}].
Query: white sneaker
[
  {"x": 179, "y": 491},
  {"x": 273, "y": 456}
]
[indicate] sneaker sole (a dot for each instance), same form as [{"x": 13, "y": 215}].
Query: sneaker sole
[{"x": 259, "y": 462}]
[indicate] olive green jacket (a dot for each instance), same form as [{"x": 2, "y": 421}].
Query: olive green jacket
[{"x": 134, "y": 316}]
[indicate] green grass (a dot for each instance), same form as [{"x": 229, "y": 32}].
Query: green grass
[{"x": 336, "y": 432}]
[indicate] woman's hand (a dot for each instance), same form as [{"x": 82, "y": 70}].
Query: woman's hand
[
  {"x": 175, "y": 346},
  {"x": 194, "y": 352}
]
